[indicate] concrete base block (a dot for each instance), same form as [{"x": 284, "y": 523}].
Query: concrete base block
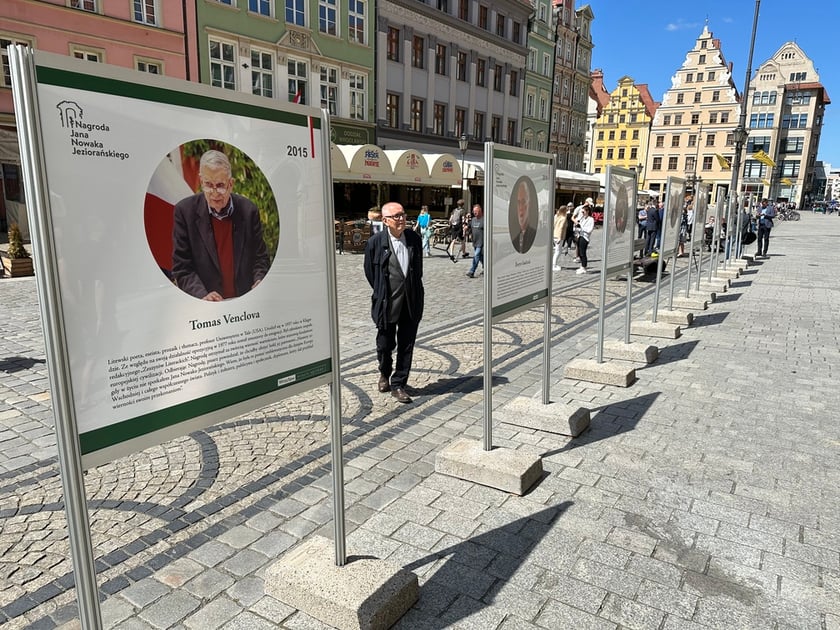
[
  {"x": 363, "y": 594},
  {"x": 606, "y": 373},
  {"x": 696, "y": 302},
  {"x": 555, "y": 417},
  {"x": 639, "y": 352},
  {"x": 655, "y": 329},
  {"x": 729, "y": 273},
  {"x": 683, "y": 318},
  {"x": 713, "y": 287},
  {"x": 719, "y": 279},
  {"x": 502, "y": 468}
]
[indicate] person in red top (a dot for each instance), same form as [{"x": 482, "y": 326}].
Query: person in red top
[{"x": 218, "y": 247}]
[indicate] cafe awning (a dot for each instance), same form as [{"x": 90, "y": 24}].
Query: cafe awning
[{"x": 369, "y": 163}]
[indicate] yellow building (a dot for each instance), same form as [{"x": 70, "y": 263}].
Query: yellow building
[{"x": 622, "y": 129}]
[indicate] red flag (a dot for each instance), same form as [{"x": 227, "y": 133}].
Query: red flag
[{"x": 298, "y": 97}]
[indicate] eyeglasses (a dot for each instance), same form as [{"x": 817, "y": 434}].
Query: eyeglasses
[
  {"x": 398, "y": 217},
  {"x": 211, "y": 187}
]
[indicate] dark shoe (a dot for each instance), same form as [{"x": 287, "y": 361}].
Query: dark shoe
[
  {"x": 465, "y": 255},
  {"x": 384, "y": 385},
  {"x": 470, "y": 274},
  {"x": 399, "y": 394},
  {"x": 452, "y": 258}
]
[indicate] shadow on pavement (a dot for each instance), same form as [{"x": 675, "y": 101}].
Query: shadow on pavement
[
  {"x": 16, "y": 364},
  {"x": 609, "y": 421},
  {"x": 473, "y": 571},
  {"x": 465, "y": 384},
  {"x": 709, "y": 319},
  {"x": 669, "y": 354}
]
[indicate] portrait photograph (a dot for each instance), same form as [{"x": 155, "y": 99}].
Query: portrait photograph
[{"x": 523, "y": 214}]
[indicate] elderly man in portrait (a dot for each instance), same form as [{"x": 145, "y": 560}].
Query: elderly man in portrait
[
  {"x": 522, "y": 228},
  {"x": 218, "y": 246}
]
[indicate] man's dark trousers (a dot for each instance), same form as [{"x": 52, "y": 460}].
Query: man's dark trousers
[{"x": 399, "y": 336}]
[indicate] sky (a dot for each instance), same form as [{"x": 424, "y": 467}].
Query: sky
[{"x": 647, "y": 40}]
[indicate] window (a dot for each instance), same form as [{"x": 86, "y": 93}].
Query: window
[
  {"x": 677, "y": 119},
  {"x": 710, "y": 75},
  {"x": 532, "y": 59},
  {"x": 514, "y": 83},
  {"x": 497, "y": 78},
  {"x": 5, "y": 42},
  {"x": 500, "y": 25},
  {"x": 724, "y": 117},
  {"x": 730, "y": 139},
  {"x": 327, "y": 17},
  {"x": 793, "y": 145},
  {"x": 656, "y": 165},
  {"x": 690, "y": 164},
  {"x": 358, "y": 99},
  {"x": 790, "y": 168},
  {"x": 794, "y": 121},
  {"x": 464, "y": 10},
  {"x": 440, "y": 59},
  {"x": 695, "y": 118},
  {"x": 481, "y": 72},
  {"x": 754, "y": 168},
  {"x": 298, "y": 73},
  {"x": 546, "y": 65},
  {"x": 418, "y": 52},
  {"x": 511, "y": 131},
  {"x": 761, "y": 121},
  {"x": 680, "y": 98},
  {"x": 699, "y": 76},
  {"x": 296, "y": 12},
  {"x": 660, "y": 142},
  {"x": 439, "y": 122},
  {"x": 710, "y": 139},
  {"x": 145, "y": 65},
  {"x": 635, "y": 134},
  {"x": 689, "y": 78},
  {"x": 707, "y": 162},
  {"x": 672, "y": 163},
  {"x": 517, "y": 33},
  {"x": 675, "y": 140},
  {"x": 86, "y": 54},
  {"x": 496, "y": 129},
  {"x": 621, "y": 153},
  {"x": 222, "y": 64},
  {"x": 416, "y": 120},
  {"x": 697, "y": 97},
  {"x": 692, "y": 140},
  {"x": 716, "y": 96},
  {"x": 84, "y": 5},
  {"x": 543, "y": 108},
  {"x": 703, "y": 44},
  {"x": 262, "y": 73},
  {"x": 460, "y": 121},
  {"x": 482, "y": 16},
  {"x": 478, "y": 126},
  {"x": 612, "y": 135},
  {"x": 392, "y": 110},
  {"x": 622, "y": 134},
  {"x": 356, "y": 21},
  {"x": 666, "y": 120},
  {"x": 599, "y": 154},
  {"x": 461, "y": 69},
  {"x": 713, "y": 117},
  {"x": 701, "y": 59},
  {"x": 530, "y": 100},
  {"x": 756, "y": 143},
  {"x": 634, "y": 153},
  {"x": 144, "y": 12},
  {"x": 393, "y": 52},
  {"x": 443, "y": 5},
  {"x": 329, "y": 89},
  {"x": 262, "y": 7}
]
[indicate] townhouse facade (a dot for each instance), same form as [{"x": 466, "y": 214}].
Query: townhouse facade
[
  {"x": 622, "y": 131},
  {"x": 786, "y": 109},
  {"x": 536, "y": 113},
  {"x": 570, "y": 101},
  {"x": 692, "y": 130}
]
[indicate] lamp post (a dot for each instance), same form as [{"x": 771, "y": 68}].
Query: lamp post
[
  {"x": 463, "y": 144},
  {"x": 740, "y": 134},
  {"x": 639, "y": 170}
]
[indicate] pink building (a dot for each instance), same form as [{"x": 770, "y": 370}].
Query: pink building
[{"x": 154, "y": 36}]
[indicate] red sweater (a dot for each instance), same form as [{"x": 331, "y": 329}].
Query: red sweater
[{"x": 223, "y": 231}]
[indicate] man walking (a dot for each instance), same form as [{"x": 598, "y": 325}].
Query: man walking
[
  {"x": 394, "y": 270},
  {"x": 766, "y": 212},
  {"x": 456, "y": 231},
  {"x": 477, "y": 229}
]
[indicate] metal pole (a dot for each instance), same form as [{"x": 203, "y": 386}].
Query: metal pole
[
  {"x": 741, "y": 129},
  {"x": 489, "y": 163}
]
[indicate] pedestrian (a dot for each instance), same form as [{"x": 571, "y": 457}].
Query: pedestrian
[
  {"x": 587, "y": 224},
  {"x": 577, "y": 216},
  {"x": 477, "y": 230},
  {"x": 375, "y": 220},
  {"x": 561, "y": 218},
  {"x": 653, "y": 223},
  {"x": 683, "y": 232},
  {"x": 424, "y": 225},
  {"x": 394, "y": 269},
  {"x": 766, "y": 212},
  {"x": 641, "y": 221},
  {"x": 456, "y": 230}
]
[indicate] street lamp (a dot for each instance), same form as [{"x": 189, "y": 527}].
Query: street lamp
[
  {"x": 463, "y": 144},
  {"x": 639, "y": 169}
]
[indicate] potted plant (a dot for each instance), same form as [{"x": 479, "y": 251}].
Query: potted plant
[{"x": 16, "y": 261}]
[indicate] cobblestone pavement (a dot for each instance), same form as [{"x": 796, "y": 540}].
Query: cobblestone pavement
[{"x": 703, "y": 496}]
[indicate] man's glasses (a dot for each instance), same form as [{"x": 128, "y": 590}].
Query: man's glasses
[
  {"x": 210, "y": 187},
  {"x": 398, "y": 217}
]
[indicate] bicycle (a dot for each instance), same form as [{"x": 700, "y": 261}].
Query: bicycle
[{"x": 787, "y": 214}]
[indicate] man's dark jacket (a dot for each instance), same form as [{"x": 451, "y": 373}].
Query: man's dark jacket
[
  {"x": 195, "y": 261},
  {"x": 377, "y": 253}
]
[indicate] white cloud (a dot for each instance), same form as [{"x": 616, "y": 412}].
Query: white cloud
[{"x": 681, "y": 25}]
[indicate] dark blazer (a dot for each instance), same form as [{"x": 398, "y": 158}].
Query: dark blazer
[
  {"x": 377, "y": 253},
  {"x": 195, "y": 261},
  {"x": 527, "y": 240}
]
